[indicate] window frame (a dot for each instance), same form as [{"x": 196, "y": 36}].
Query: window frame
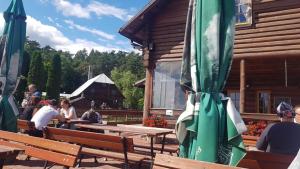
[
  {"x": 234, "y": 91},
  {"x": 245, "y": 24},
  {"x": 152, "y": 85},
  {"x": 269, "y": 100}
]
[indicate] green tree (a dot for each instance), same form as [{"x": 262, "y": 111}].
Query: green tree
[
  {"x": 54, "y": 78},
  {"x": 36, "y": 71},
  {"x": 124, "y": 80},
  {"x": 21, "y": 88}
]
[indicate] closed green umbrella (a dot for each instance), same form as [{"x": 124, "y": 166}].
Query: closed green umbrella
[
  {"x": 210, "y": 128},
  {"x": 11, "y": 53}
]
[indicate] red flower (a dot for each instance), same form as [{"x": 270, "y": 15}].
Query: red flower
[{"x": 155, "y": 121}]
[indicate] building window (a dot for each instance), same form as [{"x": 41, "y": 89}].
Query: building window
[
  {"x": 263, "y": 99},
  {"x": 243, "y": 11},
  {"x": 167, "y": 93},
  {"x": 235, "y": 97}
]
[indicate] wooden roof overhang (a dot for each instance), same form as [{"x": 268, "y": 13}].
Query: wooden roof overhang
[{"x": 133, "y": 29}]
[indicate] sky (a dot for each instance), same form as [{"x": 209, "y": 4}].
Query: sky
[{"x": 72, "y": 25}]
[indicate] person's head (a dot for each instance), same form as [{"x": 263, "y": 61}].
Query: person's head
[
  {"x": 285, "y": 112},
  {"x": 32, "y": 88},
  {"x": 297, "y": 111},
  {"x": 35, "y": 100},
  {"x": 65, "y": 103},
  {"x": 53, "y": 103}
]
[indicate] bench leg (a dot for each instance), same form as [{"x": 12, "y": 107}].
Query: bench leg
[
  {"x": 80, "y": 158},
  {"x": 95, "y": 160},
  {"x": 152, "y": 153},
  {"x": 45, "y": 164},
  {"x": 1, "y": 163},
  {"x": 163, "y": 144},
  {"x": 27, "y": 158}
]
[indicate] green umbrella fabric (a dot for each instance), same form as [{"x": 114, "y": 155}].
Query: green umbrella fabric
[
  {"x": 11, "y": 55},
  {"x": 210, "y": 128}
]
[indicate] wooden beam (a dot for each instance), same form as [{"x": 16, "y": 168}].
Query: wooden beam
[
  {"x": 269, "y": 54},
  {"x": 242, "y": 86},
  {"x": 147, "y": 97}
]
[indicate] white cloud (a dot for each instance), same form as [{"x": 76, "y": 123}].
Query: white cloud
[
  {"x": 50, "y": 19},
  {"x": 69, "y": 9},
  {"x": 92, "y": 31},
  {"x": 50, "y": 35},
  {"x": 99, "y": 9}
]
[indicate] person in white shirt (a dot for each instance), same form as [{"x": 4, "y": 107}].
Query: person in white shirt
[
  {"x": 67, "y": 110},
  {"x": 43, "y": 116},
  {"x": 297, "y": 111}
]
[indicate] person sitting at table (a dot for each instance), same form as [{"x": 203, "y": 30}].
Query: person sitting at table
[
  {"x": 30, "y": 108},
  {"x": 297, "y": 111},
  {"x": 43, "y": 116},
  {"x": 282, "y": 137},
  {"x": 32, "y": 92},
  {"x": 91, "y": 115},
  {"x": 67, "y": 110}
]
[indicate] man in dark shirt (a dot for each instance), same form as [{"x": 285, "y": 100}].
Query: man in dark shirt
[
  {"x": 283, "y": 137},
  {"x": 30, "y": 108}
]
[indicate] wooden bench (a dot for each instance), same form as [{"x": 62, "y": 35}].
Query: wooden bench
[
  {"x": 163, "y": 161},
  {"x": 264, "y": 160},
  {"x": 57, "y": 152},
  {"x": 25, "y": 126},
  {"x": 170, "y": 150},
  {"x": 96, "y": 144},
  {"x": 250, "y": 140}
]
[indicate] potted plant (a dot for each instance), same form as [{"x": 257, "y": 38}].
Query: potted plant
[{"x": 155, "y": 121}]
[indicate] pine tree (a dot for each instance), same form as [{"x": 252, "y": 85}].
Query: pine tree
[
  {"x": 19, "y": 94},
  {"x": 36, "y": 71},
  {"x": 54, "y": 78}
]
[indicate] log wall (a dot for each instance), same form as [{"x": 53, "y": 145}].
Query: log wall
[{"x": 275, "y": 33}]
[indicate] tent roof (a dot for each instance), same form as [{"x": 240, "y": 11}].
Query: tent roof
[{"x": 102, "y": 78}]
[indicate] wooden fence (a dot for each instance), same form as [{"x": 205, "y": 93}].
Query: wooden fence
[{"x": 114, "y": 117}]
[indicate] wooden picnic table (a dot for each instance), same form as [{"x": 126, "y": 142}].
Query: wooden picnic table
[
  {"x": 149, "y": 131},
  {"x": 5, "y": 152},
  {"x": 70, "y": 121}
]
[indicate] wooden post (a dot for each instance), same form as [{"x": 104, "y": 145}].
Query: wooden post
[
  {"x": 242, "y": 86},
  {"x": 147, "y": 95}
]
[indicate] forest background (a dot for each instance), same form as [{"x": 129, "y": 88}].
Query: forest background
[{"x": 56, "y": 71}]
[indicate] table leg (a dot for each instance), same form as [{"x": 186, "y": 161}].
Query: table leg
[
  {"x": 163, "y": 144},
  {"x": 152, "y": 153}
]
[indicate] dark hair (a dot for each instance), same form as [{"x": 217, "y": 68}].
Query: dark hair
[
  {"x": 53, "y": 102},
  {"x": 285, "y": 110},
  {"x": 66, "y": 101},
  {"x": 35, "y": 100}
]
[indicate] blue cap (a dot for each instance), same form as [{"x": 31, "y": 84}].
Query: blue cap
[{"x": 37, "y": 94}]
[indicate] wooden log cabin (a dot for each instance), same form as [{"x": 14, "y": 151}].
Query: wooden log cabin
[{"x": 265, "y": 69}]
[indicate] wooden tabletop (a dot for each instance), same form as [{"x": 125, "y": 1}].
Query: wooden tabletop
[
  {"x": 150, "y": 131},
  {"x": 74, "y": 121}
]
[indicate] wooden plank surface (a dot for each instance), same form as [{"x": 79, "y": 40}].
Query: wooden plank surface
[
  {"x": 166, "y": 161},
  {"x": 41, "y": 142},
  {"x": 150, "y": 131},
  {"x": 264, "y": 160}
]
